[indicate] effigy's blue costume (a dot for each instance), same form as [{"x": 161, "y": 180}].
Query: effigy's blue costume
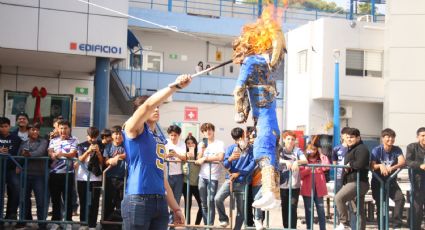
[
  {"x": 256, "y": 81},
  {"x": 260, "y": 51}
]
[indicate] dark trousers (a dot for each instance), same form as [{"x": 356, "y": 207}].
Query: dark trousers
[
  {"x": 57, "y": 183},
  {"x": 90, "y": 199},
  {"x": 418, "y": 207},
  {"x": 397, "y": 196},
  {"x": 13, "y": 192},
  {"x": 37, "y": 184},
  {"x": 114, "y": 192},
  {"x": 193, "y": 191},
  {"x": 284, "y": 197}
]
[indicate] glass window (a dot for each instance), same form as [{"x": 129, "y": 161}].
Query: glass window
[
  {"x": 302, "y": 61},
  {"x": 51, "y": 106},
  {"x": 364, "y": 63}
]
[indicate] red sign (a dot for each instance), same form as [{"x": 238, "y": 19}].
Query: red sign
[{"x": 190, "y": 113}]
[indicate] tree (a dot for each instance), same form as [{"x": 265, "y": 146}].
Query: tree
[{"x": 365, "y": 8}]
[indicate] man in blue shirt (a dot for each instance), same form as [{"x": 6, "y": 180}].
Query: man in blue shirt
[
  {"x": 239, "y": 161},
  {"x": 385, "y": 160}
]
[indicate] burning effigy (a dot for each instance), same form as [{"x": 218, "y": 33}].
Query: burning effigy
[{"x": 260, "y": 50}]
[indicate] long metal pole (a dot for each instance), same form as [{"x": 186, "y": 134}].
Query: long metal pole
[{"x": 336, "y": 122}]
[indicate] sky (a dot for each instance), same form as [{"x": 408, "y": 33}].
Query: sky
[{"x": 346, "y": 5}]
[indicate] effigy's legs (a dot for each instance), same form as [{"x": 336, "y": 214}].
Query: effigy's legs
[{"x": 270, "y": 186}]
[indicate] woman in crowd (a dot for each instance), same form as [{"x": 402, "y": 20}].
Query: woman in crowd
[
  {"x": 319, "y": 189},
  {"x": 191, "y": 173}
]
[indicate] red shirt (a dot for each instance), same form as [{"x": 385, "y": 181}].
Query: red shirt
[{"x": 319, "y": 177}]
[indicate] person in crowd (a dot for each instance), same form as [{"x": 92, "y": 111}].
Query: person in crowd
[
  {"x": 55, "y": 132},
  {"x": 259, "y": 214},
  {"x": 61, "y": 151},
  {"x": 89, "y": 177},
  {"x": 106, "y": 136},
  {"x": 176, "y": 151},
  {"x": 212, "y": 150},
  {"x": 147, "y": 192},
  {"x": 385, "y": 160},
  {"x": 290, "y": 159},
  {"x": 114, "y": 155},
  {"x": 338, "y": 154},
  {"x": 191, "y": 175},
  {"x": 199, "y": 67},
  {"x": 239, "y": 162},
  {"x": 35, "y": 168},
  {"x": 22, "y": 122},
  {"x": 207, "y": 67},
  {"x": 256, "y": 218},
  {"x": 357, "y": 158},
  {"x": 314, "y": 157},
  {"x": 415, "y": 159},
  {"x": 9, "y": 146}
]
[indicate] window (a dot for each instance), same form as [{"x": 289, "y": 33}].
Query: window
[
  {"x": 364, "y": 63},
  {"x": 152, "y": 61},
  {"x": 302, "y": 61},
  {"x": 51, "y": 106}
]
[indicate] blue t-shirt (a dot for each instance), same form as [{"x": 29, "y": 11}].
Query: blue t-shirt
[
  {"x": 244, "y": 165},
  {"x": 145, "y": 160},
  {"x": 380, "y": 156},
  {"x": 338, "y": 155},
  {"x": 111, "y": 150}
]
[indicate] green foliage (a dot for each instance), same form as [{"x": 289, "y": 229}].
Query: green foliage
[{"x": 365, "y": 8}]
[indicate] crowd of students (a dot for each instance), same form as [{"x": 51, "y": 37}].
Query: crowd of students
[
  {"x": 194, "y": 169},
  {"x": 70, "y": 168}
]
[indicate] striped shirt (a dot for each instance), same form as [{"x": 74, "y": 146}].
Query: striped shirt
[{"x": 64, "y": 146}]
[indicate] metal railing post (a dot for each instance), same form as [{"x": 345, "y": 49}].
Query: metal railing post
[
  {"x": 312, "y": 198},
  {"x": 290, "y": 201},
  {"x": 358, "y": 200}
]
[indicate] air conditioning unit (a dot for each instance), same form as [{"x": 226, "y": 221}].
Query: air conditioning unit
[{"x": 345, "y": 112}]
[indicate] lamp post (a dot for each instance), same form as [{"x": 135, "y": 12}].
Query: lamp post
[{"x": 336, "y": 136}]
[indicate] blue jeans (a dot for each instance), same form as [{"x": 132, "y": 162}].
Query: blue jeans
[
  {"x": 143, "y": 212},
  {"x": 176, "y": 184},
  {"x": 205, "y": 186},
  {"x": 222, "y": 194},
  {"x": 256, "y": 193},
  {"x": 36, "y": 183},
  {"x": 320, "y": 209}
]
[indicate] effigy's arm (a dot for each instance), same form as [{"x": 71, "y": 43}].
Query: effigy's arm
[{"x": 240, "y": 92}]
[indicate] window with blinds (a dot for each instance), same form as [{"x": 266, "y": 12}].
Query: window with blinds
[
  {"x": 302, "y": 61},
  {"x": 364, "y": 63}
]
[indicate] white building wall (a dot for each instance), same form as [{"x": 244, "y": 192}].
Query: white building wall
[
  {"x": 52, "y": 26},
  {"x": 310, "y": 94},
  {"x": 24, "y": 80},
  {"x": 189, "y": 51},
  {"x": 405, "y": 77}
]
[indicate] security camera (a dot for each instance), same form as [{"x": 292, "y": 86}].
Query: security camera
[{"x": 353, "y": 24}]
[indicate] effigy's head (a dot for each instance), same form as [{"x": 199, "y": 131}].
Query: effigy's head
[{"x": 263, "y": 36}]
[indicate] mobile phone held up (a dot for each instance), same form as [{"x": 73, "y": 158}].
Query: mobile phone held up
[{"x": 205, "y": 141}]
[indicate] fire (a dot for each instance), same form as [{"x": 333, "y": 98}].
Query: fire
[{"x": 258, "y": 37}]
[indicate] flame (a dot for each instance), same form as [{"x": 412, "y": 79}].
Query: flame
[{"x": 257, "y": 38}]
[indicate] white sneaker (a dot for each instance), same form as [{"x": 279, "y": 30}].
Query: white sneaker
[
  {"x": 266, "y": 200},
  {"x": 258, "y": 224},
  {"x": 341, "y": 226},
  {"x": 68, "y": 227},
  {"x": 223, "y": 224},
  {"x": 54, "y": 227},
  {"x": 83, "y": 228},
  {"x": 92, "y": 228}
]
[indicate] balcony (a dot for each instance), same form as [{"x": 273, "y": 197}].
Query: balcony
[{"x": 204, "y": 89}]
